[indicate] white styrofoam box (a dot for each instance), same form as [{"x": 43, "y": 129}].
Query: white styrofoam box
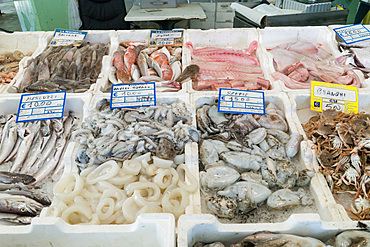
[
  {"x": 191, "y": 154},
  {"x": 26, "y": 42},
  {"x": 300, "y": 103},
  {"x": 206, "y": 228},
  {"x": 154, "y": 230},
  {"x": 223, "y": 6},
  {"x": 237, "y": 38},
  {"x": 92, "y": 37},
  {"x": 325, "y": 204},
  {"x": 124, "y": 35},
  {"x": 225, "y": 16},
  {"x": 271, "y": 37}
]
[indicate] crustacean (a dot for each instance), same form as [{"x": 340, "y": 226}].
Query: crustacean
[{"x": 342, "y": 146}]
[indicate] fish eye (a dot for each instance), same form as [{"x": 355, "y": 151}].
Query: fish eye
[{"x": 23, "y": 210}]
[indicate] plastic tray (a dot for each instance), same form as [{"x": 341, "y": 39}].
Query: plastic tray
[
  {"x": 236, "y": 38},
  {"x": 324, "y": 203},
  {"x": 126, "y": 35},
  {"x": 271, "y": 37},
  {"x": 152, "y": 230},
  {"x": 92, "y": 37},
  {"x": 207, "y": 229},
  {"x": 301, "y": 107}
]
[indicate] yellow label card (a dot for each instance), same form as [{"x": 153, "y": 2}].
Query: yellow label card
[{"x": 326, "y": 96}]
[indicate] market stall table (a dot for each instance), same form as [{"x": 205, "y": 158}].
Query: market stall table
[{"x": 166, "y": 17}]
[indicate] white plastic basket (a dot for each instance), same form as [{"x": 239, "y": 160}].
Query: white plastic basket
[{"x": 236, "y": 38}]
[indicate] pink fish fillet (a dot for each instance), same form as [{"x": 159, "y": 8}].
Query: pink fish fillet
[
  {"x": 225, "y": 74},
  {"x": 223, "y": 55},
  {"x": 221, "y": 66},
  {"x": 301, "y": 46},
  {"x": 290, "y": 83}
]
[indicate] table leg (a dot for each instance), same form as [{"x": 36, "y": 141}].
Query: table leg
[{"x": 167, "y": 25}]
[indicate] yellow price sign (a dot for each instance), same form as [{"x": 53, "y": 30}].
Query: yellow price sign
[{"x": 326, "y": 96}]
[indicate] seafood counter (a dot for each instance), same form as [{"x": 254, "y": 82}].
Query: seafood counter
[{"x": 160, "y": 170}]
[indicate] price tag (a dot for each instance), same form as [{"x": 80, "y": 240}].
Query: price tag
[
  {"x": 160, "y": 38},
  {"x": 326, "y": 96},
  {"x": 63, "y": 37},
  {"x": 353, "y": 33},
  {"x": 241, "y": 101},
  {"x": 133, "y": 95},
  {"x": 40, "y": 106}
]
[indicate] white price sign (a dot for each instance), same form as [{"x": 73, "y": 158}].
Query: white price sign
[
  {"x": 353, "y": 33},
  {"x": 63, "y": 37}
]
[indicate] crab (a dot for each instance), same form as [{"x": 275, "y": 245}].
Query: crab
[
  {"x": 349, "y": 177},
  {"x": 361, "y": 207}
]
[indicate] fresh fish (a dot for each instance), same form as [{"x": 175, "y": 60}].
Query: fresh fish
[
  {"x": 20, "y": 205},
  {"x": 71, "y": 72},
  {"x": 135, "y": 72},
  {"x": 9, "y": 177},
  {"x": 49, "y": 147},
  {"x": 143, "y": 64},
  {"x": 159, "y": 57},
  {"x": 32, "y": 157},
  {"x": 44, "y": 70},
  {"x": 190, "y": 71},
  {"x": 69, "y": 55},
  {"x": 10, "y": 138},
  {"x": 176, "y": 56},
  {"x": 27, "y": 76},
  {"x": 153, "y": 64},
  {"x": 18, "y": 220},
  {"x": 167, "y": 72},
  {"x": 130, "y": 58},
  {"x": 176, "y": 68},
  {"x": 32, "y": 194}
]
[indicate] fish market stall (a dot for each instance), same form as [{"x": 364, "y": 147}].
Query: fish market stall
[
  {"x": 301, "y": 54},
  {"x": 179, "y": 170},
  {"x": 65, "y": 68},
  {"x": 134, "y": 60}
]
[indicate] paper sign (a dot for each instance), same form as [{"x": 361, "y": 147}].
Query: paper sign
[
  {"x": 133, "y": 95},
  {"x": 326, "y": 96},
  {"x": 40, "y": 106},
  {"x": 241, "y": 101},
  {"x": 353, "y": 33},
  {"x": 160, "y": 38},
  {"x": 63, "y": 37}
]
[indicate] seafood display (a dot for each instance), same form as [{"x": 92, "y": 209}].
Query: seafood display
[
  {"x": 31, "y": 153},
  {"x": 63, "y": 68},
  {"x": 228, "y": 68},
  {"x": 118, "y": 134},
  {"x": 261, "y": 239},
  {"x": 342, "y": 147},
  {"x": 300, "y": 62},
  {"x": 248, "y": 161},
  {"x": 9, "y": 65},
  {"x": 359, "y": 54},
  {"x": 117, "y": 192},
  {"x": 136, "y": 62}
]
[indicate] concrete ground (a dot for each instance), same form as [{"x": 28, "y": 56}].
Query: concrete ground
[{"x": 9, "y": 18}]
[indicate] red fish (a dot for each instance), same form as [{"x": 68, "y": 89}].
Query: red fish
[
  {"x": 166, "y": 71},
  {"x": 130, "y": 58}
]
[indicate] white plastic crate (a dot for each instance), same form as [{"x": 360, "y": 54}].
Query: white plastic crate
[
  {"x": 301, "y": 114},
  {"x": 26, "y": 42},
  {"x": 324, "y": 203},
  {"x": 92, "y": 37},
  {"x": 207, "y": 229},
  {"x": 271, "y": 37},
  {"x": 152, "y": 230},
  {"x": 125, "y": 35},
  {"x": 235, "y": 38}
]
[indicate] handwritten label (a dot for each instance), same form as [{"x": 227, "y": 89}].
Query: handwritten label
[
  {"x": 40, "y": 106},
  {"x": 63, "y": 37},
  {"x": 326, "y": 96},
  {"x": 353, "y": 33},
  {"x": 160, "y": 38},
  {"x": 133, "y": 95},
  {"x": 241, "y": 101}
]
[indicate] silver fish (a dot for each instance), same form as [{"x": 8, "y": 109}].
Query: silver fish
[
  {"x": 20, "y": 205},
  {"x": 33, "y": 194},
  {"x": 18, "y": 220},
  {"x": 10, "y": 138},
  {"x": 10, "y": 177}
]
